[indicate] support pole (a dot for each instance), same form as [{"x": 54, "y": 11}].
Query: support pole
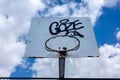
[
  {"x": 61, "y": 67},
  {"x": 62, "y": 55}
]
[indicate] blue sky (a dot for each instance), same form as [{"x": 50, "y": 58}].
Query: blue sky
[
  {"x": 15, "y": 17},
  {"x": 106, "y": 25}
]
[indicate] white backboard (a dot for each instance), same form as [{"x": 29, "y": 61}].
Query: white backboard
[{"x": 41, "y": 29}]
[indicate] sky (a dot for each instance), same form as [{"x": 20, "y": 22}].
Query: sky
[{"x": 15, "y": 17}]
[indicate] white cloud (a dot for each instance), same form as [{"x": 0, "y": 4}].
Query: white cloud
[
  {"x": 58, "y": 11},
  {"x": 106, "y": 66},
  {"x": 118, "y": 35},
  {"x": 11, "y": 55},
  {"x": 46, "y": 67},
  {"x": 110, "y": 54},
  {"x": 15, "y": 18},
  {"x": 89, "y": 8},
  {"x": 111, "y": 3}
]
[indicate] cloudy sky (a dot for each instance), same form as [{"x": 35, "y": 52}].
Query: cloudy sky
[{"x": 15, "y": 17}]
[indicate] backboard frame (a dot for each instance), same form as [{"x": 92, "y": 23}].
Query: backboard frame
[{"x": 38, "y": 22}]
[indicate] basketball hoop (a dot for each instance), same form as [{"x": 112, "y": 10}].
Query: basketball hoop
[{"x": 65, "y": 49}]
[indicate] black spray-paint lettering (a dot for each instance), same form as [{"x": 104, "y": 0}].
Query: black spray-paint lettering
[{"x": 66, "y": 26}]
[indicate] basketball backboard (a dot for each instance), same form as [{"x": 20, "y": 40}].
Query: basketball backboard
[{"x": 71, "y": 32}]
